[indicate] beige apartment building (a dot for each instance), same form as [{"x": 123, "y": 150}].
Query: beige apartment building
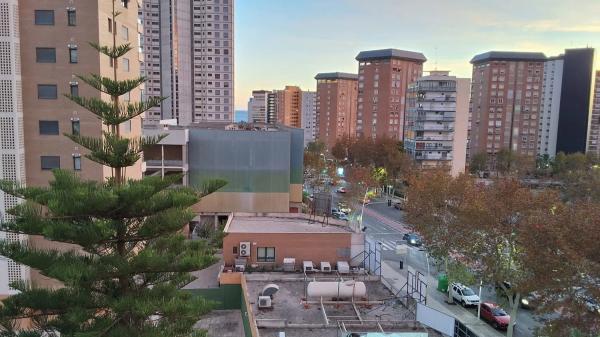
[
  {"x": 383, "y": 78},
  {"x": 53, "y": 37},
  {"x": 337, "y": 95},
  {"x": 594, "y": 132},
  {"x": 289, "y": 106},
  {"x": 505, "y": 101}
]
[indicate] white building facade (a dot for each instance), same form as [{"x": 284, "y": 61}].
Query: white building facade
[
  {"x": 550, "y": 106},
  {"x": 309, "y": 116},
  {"x": 258, "y": 106},
  {"x": 189, "y": 58},
  {"x": 12, "y": 153}
]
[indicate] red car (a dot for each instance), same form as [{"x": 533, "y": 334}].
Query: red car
[{"x": 495, "y": 315}]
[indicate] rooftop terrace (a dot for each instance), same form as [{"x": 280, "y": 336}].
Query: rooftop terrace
[{"x": 283, "y": 223}]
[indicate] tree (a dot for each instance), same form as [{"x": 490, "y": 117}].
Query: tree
[
  {"x": 479, "y": 162},
  {"x": 131, "y": 260},
  {"x": 505, "y": 159}
]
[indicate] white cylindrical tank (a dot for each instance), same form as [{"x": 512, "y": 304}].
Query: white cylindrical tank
[{"x": 346, "y": 289}]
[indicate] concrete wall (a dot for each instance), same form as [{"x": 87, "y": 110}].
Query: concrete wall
[
  {"x": 315, "y": 247},
  {"x": 461, "y": 122}
]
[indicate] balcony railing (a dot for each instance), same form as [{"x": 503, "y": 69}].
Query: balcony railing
[
  {"x": 433, "y": 127},
  {"x": 165, "y": 163}
]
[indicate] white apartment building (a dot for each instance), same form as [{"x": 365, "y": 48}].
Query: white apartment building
[
  {"x": 436, "y": 121},
  {"x": 189, "y": 58},
  {"x": 594, "y": 131},
  {"x": 550, "y": 106},
  {"x": 309, "y": 116},
  {"x": 12, "y": 153},
  {"x": 258, "y": 106}
]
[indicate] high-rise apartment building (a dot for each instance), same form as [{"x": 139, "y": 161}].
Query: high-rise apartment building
[
  {"x": 288, "y": 106},
  {"x": 337, "y": 95},
  {"x": 594, "y": 133},
  {"x": 188, "y": 47},
  {"x": 383, "y": 77},
  {"x": 258, "y": 106},
  {"x": 505, "y": 102},
  {"x": 550, "y": 106},
  {"x": 308, "y": 116},
  {"x": 12, "y": 146},
  {"x": 49, "y": 43},
  {"x": 436, "y": 121}
]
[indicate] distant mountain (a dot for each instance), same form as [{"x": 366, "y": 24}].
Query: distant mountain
[{"x": 241, "y": 116}]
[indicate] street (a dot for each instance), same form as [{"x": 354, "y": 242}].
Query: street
[{"x": 385, "y": 224}]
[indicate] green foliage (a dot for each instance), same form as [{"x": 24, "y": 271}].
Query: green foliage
[
  {"x": 118, "y": 252},
  {"x": 479, "y": 162}
]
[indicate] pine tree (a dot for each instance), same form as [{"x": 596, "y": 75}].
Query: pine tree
[{"x": 125, "y": 277}]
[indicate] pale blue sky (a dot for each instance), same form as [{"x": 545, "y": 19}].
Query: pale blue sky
[{"x": 281, "y": 42}]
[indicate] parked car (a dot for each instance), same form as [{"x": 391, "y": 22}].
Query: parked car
[
  {"x": 345, "y": 209},
  {"x": 495, "y": 315},
  {"x": 464, "y": 295},
  {"x": 342, "y": 190},
  {"x": 399, "y": 205},
  {"x": 528, "y": 301},
  {"x": 412, "y": 239},
  {"x": 340, "y": 216},
  {"x": 590, "y": 303}
]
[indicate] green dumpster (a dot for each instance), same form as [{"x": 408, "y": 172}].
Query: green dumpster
[{"x": 442, "y": 283}]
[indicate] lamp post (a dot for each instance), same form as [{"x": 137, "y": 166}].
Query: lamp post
[
  {"x": 362, "y": 210},
  {"x": 479, "y": 305}
]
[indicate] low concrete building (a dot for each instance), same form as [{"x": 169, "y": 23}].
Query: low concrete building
[
  {"x": 262, "y": 164},
  {"x": 263, "y": 241}
]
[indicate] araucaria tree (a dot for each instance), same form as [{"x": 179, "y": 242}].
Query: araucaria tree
[{"x": 128, "y": 259}]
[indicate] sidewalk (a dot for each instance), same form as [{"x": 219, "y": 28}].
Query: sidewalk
[{"x": 435, "y": 300}]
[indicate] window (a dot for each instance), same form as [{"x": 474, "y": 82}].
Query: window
[
  {"x": 75, "y": 127},
  {"x": 73, "y": 57},
  {"x": 44, "y": 17},
  {"x": 47, "y": 91},
  {"x": 126, "y": 64},
  {"x": 125, "y": 33},
  {"x": 74, "y": 89},
  {"x": 125, "y": 3},
  {"x": 77, "y": 162},
  {"x": 265, "y": 254},
  {"x": 50, "y": 162},
  {"x": 110, "y": 25},
  {"x": 71, "y": 17},
  {"x": 45, "y": 55},
  {"x": 49, "y": 128}
]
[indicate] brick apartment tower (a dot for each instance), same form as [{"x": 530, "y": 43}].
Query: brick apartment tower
[
  {"x": 188, "y": 49},
  {"x": 337, "y": 95},
  {"x": 594, "y": 133},
  {"x": 289, "y": 106},
  {"x": 54, "y": 47},
  {"x": 383, "y": 78},
  {"x": 505, "y": 100}
]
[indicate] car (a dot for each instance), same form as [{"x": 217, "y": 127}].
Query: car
[
  {"x": 495, "y": 315},
  {"x": 528, "y": 301},
  {"x": 341, "y": 190},
  {"x": 463, "y": 294},
  {"x": 339, "y": 215},
  {"x": 590, "y": 303},
  {"x": 399, "y": 205},
  {"x": 412, "y": 239}
]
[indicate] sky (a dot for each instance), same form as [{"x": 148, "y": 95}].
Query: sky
[{"x": 287, "y": 42}]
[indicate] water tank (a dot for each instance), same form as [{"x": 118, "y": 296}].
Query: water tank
[{"x": 346, "y": 289}]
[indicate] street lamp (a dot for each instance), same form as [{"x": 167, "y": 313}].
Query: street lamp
[
  {"x": 362, "y": 210},
  {"x": 479, "y": 305}
]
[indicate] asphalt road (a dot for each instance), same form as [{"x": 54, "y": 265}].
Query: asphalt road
[{"x": 386, "y": 225}]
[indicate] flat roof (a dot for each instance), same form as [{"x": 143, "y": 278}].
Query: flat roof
[
  {"x": 508, "y": 56},
  {"x": 283, "y": 223},
  {"x": 335, "y": 76},
  {"x": 390, "y": 53}
]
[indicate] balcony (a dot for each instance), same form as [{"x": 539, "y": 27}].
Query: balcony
[
  {"x": 433, "y": 127},
  {"x": 434, "y": 138},
  {"x": 165, "y": 163},
  {"x": 432, "y": 156}
]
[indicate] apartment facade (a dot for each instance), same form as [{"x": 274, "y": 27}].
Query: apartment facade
[
  {"x": 189, "y": 58},
  {"x": 337, "y": 97},
  {"x": 308, "y": 116},
  {"x": 12, "y": 146},
  {"x": 550, "y": 106},
  {"x": 258, "y": 106},
  {"x": 288, "y": 106},
  {"x": 594, "y": 133},
  {"x": 383, "y": 78},
  {"x": 436, "y": 121},
  {"x": 505, "y": 102}
]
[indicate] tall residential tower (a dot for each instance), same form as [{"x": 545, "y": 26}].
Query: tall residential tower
[{"x": 188, "y": 47}]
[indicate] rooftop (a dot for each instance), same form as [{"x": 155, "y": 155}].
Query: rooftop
[
  {"x": 508, "y": 56},
  {"x": 390, "y": 53},
  {"x": 291, "y": 315},
  {"x": 335, "y": 76},
  {"x": 282, "y": 223}
]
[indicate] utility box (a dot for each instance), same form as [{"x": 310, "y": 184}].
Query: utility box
[{"x": 443, "y": 283}]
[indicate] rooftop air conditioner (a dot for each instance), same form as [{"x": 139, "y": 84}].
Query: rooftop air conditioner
[
  {"x": 244, "y": 249},
  {"x": 264, "y": 302}
]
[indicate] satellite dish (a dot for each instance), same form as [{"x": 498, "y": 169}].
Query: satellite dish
[{"x": 270, "y": 290}]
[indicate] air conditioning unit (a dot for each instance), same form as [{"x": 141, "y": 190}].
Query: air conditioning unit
[
  {"x": 264, "y": 302},
  {"x": 244, "y": 249}
]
